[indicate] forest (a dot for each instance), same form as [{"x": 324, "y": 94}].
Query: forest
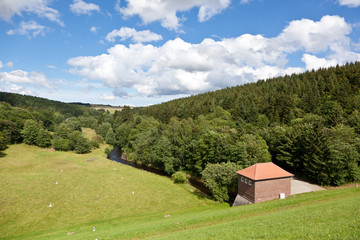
[{"x": 307, "y": 123}]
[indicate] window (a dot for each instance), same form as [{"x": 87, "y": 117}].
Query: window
[
  {"x": 242, "y": 179},
  {"x": 245, "y": 180},
  {"x": 249, "y": 182}
]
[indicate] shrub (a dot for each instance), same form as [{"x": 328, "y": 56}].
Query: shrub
[
  {"x": 98, "y": 139},
  {"x": 83, "y": 145},
  {"x": 108, "y": 150},
  {"x": 30, "y": 132},
  {"x": 220, "y": 179},
  {"x": 94, "y": 144},
  {"x": 44, "y": 138},
  {"x": 62, "y": 144},
  {"x": 179, "y": 177}
]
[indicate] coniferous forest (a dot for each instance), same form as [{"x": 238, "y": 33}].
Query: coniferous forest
[{"x": 307, "y": 123}]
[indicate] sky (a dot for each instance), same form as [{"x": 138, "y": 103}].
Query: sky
[{"x": 144, "y": 52}]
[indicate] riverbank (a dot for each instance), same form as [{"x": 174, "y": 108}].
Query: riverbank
[{"x": 118, "y": 156}]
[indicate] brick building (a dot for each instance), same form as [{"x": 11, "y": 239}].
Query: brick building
[{"x": 262, "y": 182}]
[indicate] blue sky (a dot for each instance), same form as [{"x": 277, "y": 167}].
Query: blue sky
[{"x": 143, "y": 52}]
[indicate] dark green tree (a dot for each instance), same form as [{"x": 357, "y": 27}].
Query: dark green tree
[
  {"x": 43, "y": 138},
  {"x": 2, "y": 142},
  {"x": 110, "y": 137},
  {"x": 221, "y": 178},
  {"x": 30, "y": 132},
  {"x": 83, "y": 145}
]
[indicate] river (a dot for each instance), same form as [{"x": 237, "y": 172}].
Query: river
[{"x": 117, "y": 156}]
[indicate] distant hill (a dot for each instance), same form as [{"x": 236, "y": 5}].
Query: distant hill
[
  {"x": 37, "y": 103},
  {"x": 279, "y": 99}
]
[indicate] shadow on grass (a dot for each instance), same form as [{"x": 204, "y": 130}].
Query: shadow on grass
[
  {"x": 201, "y": 195},
  {"x": 2, "y": 154}
]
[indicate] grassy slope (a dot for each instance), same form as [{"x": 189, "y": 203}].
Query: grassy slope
[
  {"x": 94, "y": 191},
  {"x": 90, "y": 189},
  {"x": 331, "y": 214}
]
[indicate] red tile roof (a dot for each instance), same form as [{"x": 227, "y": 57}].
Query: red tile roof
[{"x": 261, "y": 171}]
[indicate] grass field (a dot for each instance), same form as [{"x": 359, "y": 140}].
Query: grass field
[
  {"x": 107, "y": 108},
  {"x": 95, "y": 192},
  {"x": 90, "y": 189}
]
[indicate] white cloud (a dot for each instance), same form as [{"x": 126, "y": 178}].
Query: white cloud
[
  {"x": 29, "y": 28},
  {"x": 316, "y": 36},
  {"x": 350, "y": 3},
  {"x": 80, "y": 7},
  {"x": 107, "y": 97},
  {"x": 9, "y": 8},
  {"x": 93, "y": 29},
  {"x": 245, "y": 1},
  {"x": 165, "y": 10},
  {"x": 9, "y": 64},
  {"x": 23, "y": 77},
  {"x": 136, "y": 36},
  {"x": 179, "y": 67},
  {"x": 313, "y": 62},
  {"x": 21, "y": 90}
]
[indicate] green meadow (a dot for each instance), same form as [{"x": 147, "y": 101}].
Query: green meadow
[
  {"x": 89, "y": 189},
  {"x": 126, "y": 203}
]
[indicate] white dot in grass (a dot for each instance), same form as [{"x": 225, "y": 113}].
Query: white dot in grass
[
  {"x": 133, "y": 192},
  {"x": 50, "y": 205},
  {"x": 94, "y": 229}
]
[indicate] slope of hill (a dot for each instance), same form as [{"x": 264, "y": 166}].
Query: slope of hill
[
  {"x": 37, "y": 103},
  {"x": 280, "y": 99},
  {"x": 85, "y": 189}
]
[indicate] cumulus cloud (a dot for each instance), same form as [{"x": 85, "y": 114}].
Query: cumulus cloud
[
  {"x": 350, "y": 3},
  {"x": 131, "y": 33},
  {"x": 23, "y": 77},
  {"x": 9, "y": 8},
  {"x": 29, "y": 28},
  {"x": 80, "y": 7},
  {"x": 165, "y": 10},
  {"x": 178, "y": 67}
]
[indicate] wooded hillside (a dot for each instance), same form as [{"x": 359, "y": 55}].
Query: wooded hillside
[{"x": 308, "y": 123}]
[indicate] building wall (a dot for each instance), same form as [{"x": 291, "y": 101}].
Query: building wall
[
  {"x": 269, "y": 189},
  {"x": 245, "y": 189}
]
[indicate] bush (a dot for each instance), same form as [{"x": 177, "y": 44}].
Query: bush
[
  {"x": 30, "y": 132},
  {"x": 44, "y": 138},
  {"x": 94, "y": 144},
  {"x": 98, "y": 139},
  {"x": 108, "y": 150},
  {"x": 220, "y": 179},
  {"x": 62, "y": 144},
  {"x": 82, "y": 145},
  {"x": 179, "y": 177}
]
